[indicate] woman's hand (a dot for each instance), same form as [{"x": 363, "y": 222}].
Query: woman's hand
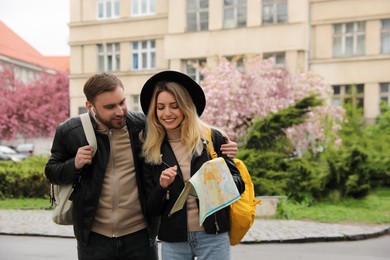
[{"x": 168, "y": 176}]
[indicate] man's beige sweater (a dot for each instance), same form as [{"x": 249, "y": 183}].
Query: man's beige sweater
[{"x": 119, "y": 211}]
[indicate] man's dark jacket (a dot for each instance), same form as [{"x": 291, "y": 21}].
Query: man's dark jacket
[{"x": 60, "y": 169}]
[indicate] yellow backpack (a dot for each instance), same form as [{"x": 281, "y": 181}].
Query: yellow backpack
[{"x": 242, "y": 211}]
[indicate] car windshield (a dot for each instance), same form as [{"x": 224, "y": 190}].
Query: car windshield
[{"x": 6, "y": 149}]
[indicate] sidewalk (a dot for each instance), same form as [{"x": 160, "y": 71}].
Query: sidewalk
[{"x": 39, "y": 223}]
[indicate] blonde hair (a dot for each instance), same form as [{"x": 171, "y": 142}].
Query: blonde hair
[{"x": 193, "y": 129}]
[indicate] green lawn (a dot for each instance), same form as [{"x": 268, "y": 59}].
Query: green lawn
[
  {"x": 374, "y": 209},
  {"x": 24, "y": 203}
]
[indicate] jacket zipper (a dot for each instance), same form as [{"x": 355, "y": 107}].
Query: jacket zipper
[
  {"x": 216, "y": 224},
  {"x": 114, "y": 186},
  {"x": 167, "y": 195}
]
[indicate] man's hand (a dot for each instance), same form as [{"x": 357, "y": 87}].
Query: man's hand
[
  {"x": 230, "y": 149},
  {"x": 84, "y": 156}
]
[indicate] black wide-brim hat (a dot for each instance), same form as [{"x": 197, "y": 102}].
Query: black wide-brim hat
[{"x": 193, "y": 88}]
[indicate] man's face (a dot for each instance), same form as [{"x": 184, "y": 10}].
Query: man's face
[{"x": 110, "y": 108}]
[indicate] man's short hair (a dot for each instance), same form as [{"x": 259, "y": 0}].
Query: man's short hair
[{"x": 100, "y": 83}]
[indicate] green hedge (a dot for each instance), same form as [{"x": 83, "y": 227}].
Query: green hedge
[
  {"x": 25, "y": 179},
  {"x": 354, "y": 169}
]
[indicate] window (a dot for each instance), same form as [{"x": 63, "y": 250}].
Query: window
[
  {"x": 385, "y": 93},
  {"x": 385, "y": 36},
  {"x": 349, "y": 39},
  {"x": 143, "y": 7},
  {"x": 197, "y": 15},
  {"x": 280, "y": 57},
  {"x": 237, "y": 61},
  {"x": 274, "y": 11},
  {"x": 109, "y": 56},
  {"x": 348, "y": 94},
  {"x": 234, "y": 15},
  {"x": 192, "y": 69},
  {"x": 135, "y": 104},
  {"x": 82, "y": 110},
  {"x": 23, "y": 74},
  {"x": 144, "y": 55},
  {"x": 108, "y": 9}
]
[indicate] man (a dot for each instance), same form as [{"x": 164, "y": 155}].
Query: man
[{"x": 109, "y": 211}]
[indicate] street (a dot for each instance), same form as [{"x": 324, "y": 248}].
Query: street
[{"x": 35, "y": 247}]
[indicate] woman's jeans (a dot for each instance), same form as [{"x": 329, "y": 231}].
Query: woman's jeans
[
  {"x": 201, "y": 245},
  {"x": 135, "y": 246}
]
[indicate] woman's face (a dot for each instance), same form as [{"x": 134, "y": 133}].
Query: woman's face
[{"x": 168, "y": 112}]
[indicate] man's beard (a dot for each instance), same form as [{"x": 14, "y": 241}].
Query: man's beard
[{"x": 109, "y": 123}]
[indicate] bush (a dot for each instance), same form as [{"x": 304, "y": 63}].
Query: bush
[
  {"x": 348, "y": 172},
  {"x": 268, "y": 156},
  {"x": 362, "y": 163},
  {"x": 25, "y": 179},
  {"x": 274, "y": 174},
  {"x": 352, "y": 169}
]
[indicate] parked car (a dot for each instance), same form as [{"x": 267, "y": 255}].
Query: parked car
[
  {"x": 7, "y": 153},
  {"x": 27, "y": 149}
]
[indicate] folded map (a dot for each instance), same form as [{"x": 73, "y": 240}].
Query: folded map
[{"x": 214, "y": 186}]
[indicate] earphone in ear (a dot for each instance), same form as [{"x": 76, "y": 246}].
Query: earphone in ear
[{"x": 93, "y": 110}]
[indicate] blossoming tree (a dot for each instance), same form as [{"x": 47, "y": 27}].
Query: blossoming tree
[
  {"x": 236, "y": 97},
  {"x": 34, "y": 109}
]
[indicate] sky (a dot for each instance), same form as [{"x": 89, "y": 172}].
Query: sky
[{"x": 41, "y": 23}]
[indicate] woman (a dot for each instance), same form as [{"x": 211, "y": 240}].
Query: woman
[{"x": 174, "y": 149}]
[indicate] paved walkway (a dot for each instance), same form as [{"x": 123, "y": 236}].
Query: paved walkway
[{"x": 39, "y": 223}]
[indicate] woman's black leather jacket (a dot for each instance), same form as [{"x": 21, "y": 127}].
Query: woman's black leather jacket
[{"x": 173, "y": 228}]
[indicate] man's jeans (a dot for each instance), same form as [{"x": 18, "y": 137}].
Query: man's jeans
[
  {"x": 134, "y": 246},
  {"x": 201, "y": 245}
]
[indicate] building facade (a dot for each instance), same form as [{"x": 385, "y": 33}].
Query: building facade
[
  {"x": 345, "y": 41},
  {"x": 26, "y": 63}
]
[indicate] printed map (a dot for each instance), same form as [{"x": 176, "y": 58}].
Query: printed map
[{"x": 214, "y": 186}]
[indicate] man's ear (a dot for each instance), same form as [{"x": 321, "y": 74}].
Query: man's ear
[{"x": 90, "y": 107}]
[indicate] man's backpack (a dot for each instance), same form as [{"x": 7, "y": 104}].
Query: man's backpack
[
  {"x": 242, "y": 211},
  {"x": 63, "y": 207}
]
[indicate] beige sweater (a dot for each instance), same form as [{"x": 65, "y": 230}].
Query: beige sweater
[
  {"x": 119, "y": 211},
  {"x": 184, "y": 160}
]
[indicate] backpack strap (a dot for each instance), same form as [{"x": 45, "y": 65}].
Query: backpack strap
[
  {"x": 88, "y": 130},
  {"x": 210, "y": 145}
]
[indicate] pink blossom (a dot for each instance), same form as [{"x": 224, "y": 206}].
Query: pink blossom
[
  {"x": 35, "y": 109},
  {"x": 236, "y": 98}
]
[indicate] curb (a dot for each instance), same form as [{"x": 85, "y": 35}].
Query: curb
[
  {"x": 283, "y": 241},
  {"x": 321, "y": 239},
  {"x": 39, "y": 223}
]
